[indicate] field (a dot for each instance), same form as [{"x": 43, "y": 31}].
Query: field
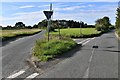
[
  {"x": 75, "y": 32},
  {"x": 5, "y": 34}
]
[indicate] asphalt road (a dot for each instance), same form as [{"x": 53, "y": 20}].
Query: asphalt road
[
  {"x": 89, "y": 62},
  {"x": 85, "y": 61},
  {"x": 15, "y": 53}
]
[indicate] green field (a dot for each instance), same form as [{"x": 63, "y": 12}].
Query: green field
[
  {"x": 75, "y": 32},
  {"x": 5, "y": 34}
]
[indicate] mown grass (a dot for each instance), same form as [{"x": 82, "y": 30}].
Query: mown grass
[
  {"x": 6, "y": 34},
  {"x": 75, "y": 32},
  {"x": 45, "y": 50}
]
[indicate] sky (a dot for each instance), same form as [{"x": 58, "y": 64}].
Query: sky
[{"x": 31, "y": 13}]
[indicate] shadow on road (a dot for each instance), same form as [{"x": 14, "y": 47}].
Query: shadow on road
[{"x": 4, "y": 43}]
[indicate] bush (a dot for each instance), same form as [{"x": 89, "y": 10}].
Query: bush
[{"x": 45, "y": 50}]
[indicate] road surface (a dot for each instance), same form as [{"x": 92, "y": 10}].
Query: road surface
[
  {"x": 86, "y": 61},
  {"x": 15, "y": 53}
]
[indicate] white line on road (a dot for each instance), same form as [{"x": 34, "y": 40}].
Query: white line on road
[
  {"x": 91, "y": 55},
  {"x": 84, "y": 40},
  {"x": 16, "y": 74},
  {"x": 86, "y": 75},
  {"x": 33, "y": 75},
  {"x": 88, "y": 41}
]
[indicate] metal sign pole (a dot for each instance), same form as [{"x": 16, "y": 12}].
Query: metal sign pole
[
  {"x": 48, "y": 14},
  {"x": 48, "y": 28},
  {"x": 58, "y": 27}
]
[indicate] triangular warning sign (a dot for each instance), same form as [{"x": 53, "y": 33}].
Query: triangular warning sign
[{"x": 48, "y": 14}]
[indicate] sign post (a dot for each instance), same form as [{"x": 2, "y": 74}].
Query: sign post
[
  {"x": 48, "y": 15},
  {"x": 58, "y": 23}
]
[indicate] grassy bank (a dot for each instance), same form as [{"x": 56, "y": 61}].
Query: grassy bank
[
  {"x": 45, "y": 50},
  {"x": 75, "y": 32},
  {"x": 118, "y": 32},
  {"x": 7, "y": 34}
]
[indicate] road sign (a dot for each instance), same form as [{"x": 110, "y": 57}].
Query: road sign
[{"x": 48, "y": 14}]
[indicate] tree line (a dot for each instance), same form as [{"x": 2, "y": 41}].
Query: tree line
[
  {"x": 54, "y": 24},
  {"x": 102, "y": 24}
]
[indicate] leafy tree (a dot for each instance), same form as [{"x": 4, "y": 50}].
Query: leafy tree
[
  {"x": 9, "y": 27},
  {"x": 42, "y": 24},
  {"x": 35, "y": 26},
  {"x": 19, "y": 25},
  {"x": 29, "y": 27},
  {"x": 103, "y": 24},
  {"x": 117, "y": 23}
]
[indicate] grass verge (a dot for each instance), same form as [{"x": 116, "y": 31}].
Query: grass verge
[
  {"x": 45, "y": 50},
  {"x": 118, "y": 32},
  {"x": 8, "y": 34}
]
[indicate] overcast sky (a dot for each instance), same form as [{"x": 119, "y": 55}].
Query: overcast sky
[{"x": 31, "y": 13}]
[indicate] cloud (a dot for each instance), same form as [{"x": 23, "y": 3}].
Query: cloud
[
  {"x": 77, "y": 13},
  {"x": 69, "y": 8},
  {"x": 88, "y": 16},
  {"x": 60, "y": 0},
  {"x": 28, "y": 6},
  {"x": 27, "y": 18},
  {"x": 43, "y": 6}
]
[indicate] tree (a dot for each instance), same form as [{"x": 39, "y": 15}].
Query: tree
[
  {"x": 9, "y": 27},
  {"x": 35, "y": 26},
  {"x": 29, "y": 27},
  {"x": 117, "y": 23},
  {"x": 103, "y": 24},
  {"x": 42, "y": 24},
  {"x": 19, "y": 25}
]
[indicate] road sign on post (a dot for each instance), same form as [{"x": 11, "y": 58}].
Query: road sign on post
[{"x": 48, "y": 15}]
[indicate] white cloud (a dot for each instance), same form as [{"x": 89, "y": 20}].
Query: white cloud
[
  {"x": 69, "y": 8},
  {"x": 43, "y": 6},
  {"x": 89, "y": 16},
  {"x": 28, "y": 6},
  {"x": 27, "y": 18},
  {"x": 60, "y": 0}
]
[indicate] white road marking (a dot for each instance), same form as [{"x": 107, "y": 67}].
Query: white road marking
[
  {"x": 83, "y": 41},
  {"x": 33, "y": 75},
  {"x": 16, "y": 74},
  {"x": 88, "y": 41},
  {"x": 86, "y": 75}
]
